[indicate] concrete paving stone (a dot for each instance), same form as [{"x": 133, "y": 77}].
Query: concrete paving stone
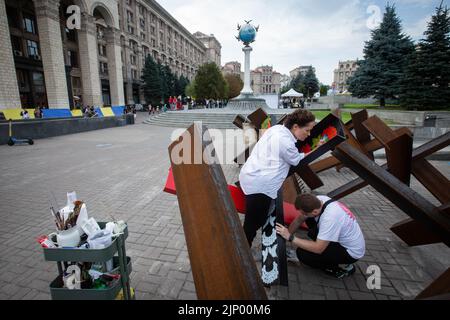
[
  {"x": 331, "y": 294},
  {"x": 187, "y": 295},
  {"x": 170, "y": 288},
  {"x": 146, "y": 287},
  {"x": 177, "y": 275},
  {"x": 189, "y": 286},
  {"x": 311, "y": 296},
  {"x": 358, "y": 295}
]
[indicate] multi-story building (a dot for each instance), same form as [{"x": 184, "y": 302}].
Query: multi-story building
[
  {"x": 232, "y": 67},
  {"x": 345, "y": 70},
  {"x": 302, "y": 69},
  {"x": 46, "y": 62},
  {"x": 213, "y": 47},
  {"x": 264, "y": 80}
]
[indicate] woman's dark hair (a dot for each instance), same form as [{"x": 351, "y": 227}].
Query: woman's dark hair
[{"x": 300, "y": 117}]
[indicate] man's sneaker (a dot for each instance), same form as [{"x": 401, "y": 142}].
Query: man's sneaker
[
  {"x": 291, "y": 255},
  {"x": 340, "y": 273},
  {"x": 349, "y": 269}
]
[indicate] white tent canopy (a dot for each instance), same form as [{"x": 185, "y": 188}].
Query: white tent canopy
[{"x": 292, "y": 94}]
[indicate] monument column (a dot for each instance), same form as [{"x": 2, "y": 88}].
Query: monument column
[
  {"x": 247, "y": 90},
  {"x": 9, "y": 90},
  {"x": 47, "y": 15},
  {"x": 87, "y": 41},
  {"x": 113, "y": 51}
]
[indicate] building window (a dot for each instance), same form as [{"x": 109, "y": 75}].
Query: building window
[
  {"x": 71, "y": 35},
  {"x": 29, "y": 24},
  {"x": 129, "y": 16},
  {"x": 73, "y": 58},
  {"x": 143, "y": 36},
  {"x": 129, "y": 2},
  {"x": 13, "y": 17},
  {"x": 153, "y": 43},
  {"x": 17, "y": 46},
  {"x": 153, "y": 31},
  {"x": 22, "y": 80},
  {"x": 38, "y": 82},
  {"x": 130, "y": 29},
  {"x": 33, "y": 49},
  {"x": 133, "y": 59},
  {"x": 142, "y": 23},
  {"x": 76, "y": 83},
  {"x": 102, "y": 50},
  {"x": 103, "y": 68},
  {"x": 134, "y": 74}
]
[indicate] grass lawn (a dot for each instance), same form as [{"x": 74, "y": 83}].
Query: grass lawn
[
  {"x": 346, "y": 116},
  {"x": 322, "y": 114},
  {"x": 372, "y": 106}
]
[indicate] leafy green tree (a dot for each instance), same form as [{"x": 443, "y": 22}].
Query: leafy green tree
[
  {"x": 235, "y": 85},
  {"x": 311, "y": 83},
  {"x": 324, "y": 90},
  {"x": 190, "y": 90},
  {"x": 427, "y": 76},
  {"x": 210, "y": 83},
  {"x": 386, "y": 56},
  {"x": 152, "y": 81}
]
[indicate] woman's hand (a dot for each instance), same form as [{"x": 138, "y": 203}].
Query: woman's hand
[{"x": 283, "y": 231}]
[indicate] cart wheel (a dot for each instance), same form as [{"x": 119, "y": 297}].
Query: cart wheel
[
  {"x": 10, "y": 142},
  {"x": 30, "y": 141}
]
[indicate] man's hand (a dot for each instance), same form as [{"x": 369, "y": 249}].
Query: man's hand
[{"x": 283, "y": 231}]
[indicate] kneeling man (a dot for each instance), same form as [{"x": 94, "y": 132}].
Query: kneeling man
[{"x": 336, "y": 236}]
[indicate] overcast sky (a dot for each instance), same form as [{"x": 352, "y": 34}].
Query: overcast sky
[{"x": 298, "y": 32}]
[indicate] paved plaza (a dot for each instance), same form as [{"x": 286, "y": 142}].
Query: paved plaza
[{"x": 120, "y": 174}]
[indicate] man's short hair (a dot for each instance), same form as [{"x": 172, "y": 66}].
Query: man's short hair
[{"x": 307, "y": 202}]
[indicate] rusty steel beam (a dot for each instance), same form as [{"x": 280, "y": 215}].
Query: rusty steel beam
[
  {"x": 211, "y": 223},
  {"x": 406, "y": 199}
]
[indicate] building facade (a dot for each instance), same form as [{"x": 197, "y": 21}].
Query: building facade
[
  {"x": 99, "y": 62},
  {"x": 345, "y": 70},
  {"x": 264, "y": 80},
  {"x": 213, "y": 47},
  {"x": 302, "y": 69},
  {"x": 232, "y": 67}
]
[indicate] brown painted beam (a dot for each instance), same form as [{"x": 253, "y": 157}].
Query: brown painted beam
[
  {"x": 309, "y": 177},
  {"x": 324, "y": 164},
  {"x": 222, "y": 264},
  {"x": 423, "y": 151},
  {"x": 414, "y": 233},
  {"x": 258, "y": 117},
  {"x": 291, "y": 189},
  {"x": 406, "y": 199},
  {"x": 239, "y": 121},
  {"x": 399, "y": 155},
  {"x": 432, "y": 179},
  {"x": 361, "y": 132},
  {"x": 439, "y": 287}
]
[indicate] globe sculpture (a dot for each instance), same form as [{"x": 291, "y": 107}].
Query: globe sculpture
[
  {"x": 247, "y": 34},
  {"x": 246, "y": 100}
]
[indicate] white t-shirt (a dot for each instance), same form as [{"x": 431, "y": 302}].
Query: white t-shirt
[
  {"x": 270, "y": 161},
  {"x": 338, "y": 224}
]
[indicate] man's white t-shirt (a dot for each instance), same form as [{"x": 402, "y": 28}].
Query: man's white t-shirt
[
  {"x": 338, "y": 224},
  {"x": 270, "y": 161}
]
